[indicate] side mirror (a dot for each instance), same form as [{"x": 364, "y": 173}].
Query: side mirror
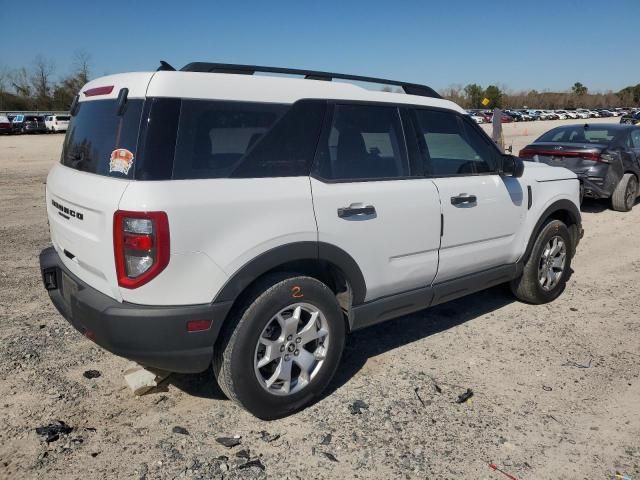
[{"x": 512, "y": 166}]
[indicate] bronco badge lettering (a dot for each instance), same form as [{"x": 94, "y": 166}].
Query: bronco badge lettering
[{"x": 67, "y": 212}]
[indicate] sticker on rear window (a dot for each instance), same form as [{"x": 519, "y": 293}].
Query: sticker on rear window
[{"x": 121, "y": 161}]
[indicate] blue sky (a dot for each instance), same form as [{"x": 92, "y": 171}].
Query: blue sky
[{"x": 521, "y": 44}]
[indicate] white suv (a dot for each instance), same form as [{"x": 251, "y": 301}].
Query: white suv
[
  {"x": 56, "y": 123},
  {"x": 212, "y": 216}
]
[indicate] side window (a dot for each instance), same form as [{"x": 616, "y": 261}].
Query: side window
[
  {"x": 213, "y": 137},
  {"x": 451, "y": 146},
  {"x": 287, "y": 150},
  {"x": 635, "y": 138},
  {"x": 363, "y": 142}
]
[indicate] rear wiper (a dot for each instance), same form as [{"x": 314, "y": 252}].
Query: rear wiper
[{"x": 122, "y": 101}]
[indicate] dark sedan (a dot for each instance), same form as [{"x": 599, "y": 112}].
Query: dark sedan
[
  {"x": 606, "y": 158},
  {"x": 632, "y": 118}
]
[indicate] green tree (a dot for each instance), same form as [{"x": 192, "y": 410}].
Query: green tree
[
  {"x": 579, "y": 89},
  {"x": 474, "y": 95},
  {"x": 494, "y": 94}
]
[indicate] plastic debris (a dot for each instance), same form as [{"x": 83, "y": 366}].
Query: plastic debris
[
  {"x": 621, "y": 476},
  {"x": 267, "y": 437},
  {"x": 326, "y": 439},
  {"x": 228, "y": 442},
  {"x": 244, "y": 454},
  {"x": 418, "y": 395},
  {"x": 91, "y": 374},
  {"x": 495, "y": 468},
  {"x": 356, "y": 407},
  {"x": 180, "y": 430},
  {"x": 463, "y": 397},
  {"x": 546, "y": 389},
  {"x": 330, "y": 456},
  {"x": 52, "y": 432},
  {"x": 252, "y": 463}
]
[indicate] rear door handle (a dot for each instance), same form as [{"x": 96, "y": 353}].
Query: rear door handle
[
  {"x": 356, "y": 209},
  {"x": 464, "y": 199}
]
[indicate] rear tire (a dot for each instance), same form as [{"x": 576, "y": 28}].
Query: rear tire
[
  {"x": 545, "y": 273},
  {"x": 625, "y": 194},
  {"x": 281, "y": 347}
]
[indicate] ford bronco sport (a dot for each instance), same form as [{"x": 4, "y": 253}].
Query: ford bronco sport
[{"x": 211, "y": 216}]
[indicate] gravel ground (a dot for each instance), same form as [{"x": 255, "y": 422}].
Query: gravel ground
[{"x": 556, "y": 387}]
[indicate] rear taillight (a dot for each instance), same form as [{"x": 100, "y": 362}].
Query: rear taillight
[
  {"x": 596, "y": 156},
  {"x": 141, "y": 246}
]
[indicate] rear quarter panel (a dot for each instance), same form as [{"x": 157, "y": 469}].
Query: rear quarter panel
[{"x": 216, "y": 227}]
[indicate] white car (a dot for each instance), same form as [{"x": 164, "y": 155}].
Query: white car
[
  {"x": 476, "y": 118},
  {"x": 56, "y": 123},
  {"x": 571, "y": 114},
  {"x": 561, "y": 114},
  {"x": 209, "y": 216},
  {"x": 583, "y": 114}
]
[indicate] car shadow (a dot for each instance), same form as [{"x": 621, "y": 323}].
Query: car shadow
[
  {"x": 590, "y": 205},
  {"x": 369, "y": 342},
  {"x": 384, "y": 337}
]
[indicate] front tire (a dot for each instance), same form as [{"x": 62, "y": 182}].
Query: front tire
[
  {"x": 625, "y": 194},
  {"x": 281, "y": 347},
  {"x": 545, "y": 273}
]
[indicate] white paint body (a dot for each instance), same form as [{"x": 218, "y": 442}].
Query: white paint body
[{"x": 219, "y": 225}]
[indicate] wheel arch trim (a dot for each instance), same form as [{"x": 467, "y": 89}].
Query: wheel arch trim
[
  {"x": 562, "y": 205},
  {"x": 283, "y": 254}
]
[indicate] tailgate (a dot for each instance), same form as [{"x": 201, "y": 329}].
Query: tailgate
[{"x": 80, "y": 208}]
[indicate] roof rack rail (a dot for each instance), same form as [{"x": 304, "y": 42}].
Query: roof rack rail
[{"x": 409, "y": 88}]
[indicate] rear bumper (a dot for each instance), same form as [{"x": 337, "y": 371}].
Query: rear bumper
[
  {"x": 599, "y": 181},
  {"x": 150, "y": 335}
]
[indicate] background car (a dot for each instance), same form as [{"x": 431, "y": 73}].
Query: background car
[
  {"x": 632, "y": 118},
  {"x": 57, "y": 123},
  {"x": 604, "y": 156},
  {"x": 5, "y": 124},
  {"x": 29, "y": 124}
]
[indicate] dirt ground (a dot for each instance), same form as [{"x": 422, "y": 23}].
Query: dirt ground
[{"x": 556, "y": 387}]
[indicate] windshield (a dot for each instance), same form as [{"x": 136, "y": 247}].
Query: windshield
[
  {"x": 579, "y": 134},
  {"x": 101, "y": 142}
]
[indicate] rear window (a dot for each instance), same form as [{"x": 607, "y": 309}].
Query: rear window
[
  {"x": 579, "y": 134},
  {"x": 62, "y": 118},
  {"x": 194, "y": 139},
  {"x": 100, "y": 141}
]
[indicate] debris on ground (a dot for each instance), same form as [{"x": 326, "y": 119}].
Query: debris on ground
[
  {"x": 418, "y": 395},
  {"x": 546, "y": 389},
  {"x": 356, "y": 407},
  {"x": 463, "y": 397},
  {"x": 621, "y": 476},
  {"x": 228, "y": 442},
  {"x": 571, "y": 363},
  {"x": 91, "y": 374},
  {"x": 142, "y": 379},
  {"x": 330, "y": 456},
  {"x": 495, "y": 468},
  {"x": 180, "y": 430},
  {"x": 52, "y": 432},
  {"x": 252, "y": 463},
  {"x": 267, "y": 437},
  {"x": 244, "y": 454},
  {"x": 326, "y": 439}
]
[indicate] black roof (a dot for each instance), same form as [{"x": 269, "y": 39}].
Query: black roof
[{"x": 409, "y": 88}]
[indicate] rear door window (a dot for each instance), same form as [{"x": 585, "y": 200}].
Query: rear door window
[
  {"x": 363, "y": 142},
  {"x": 100, "y": 141}
]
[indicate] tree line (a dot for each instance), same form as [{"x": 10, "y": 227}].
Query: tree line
[
  {"x": 37, "y": 87},
  {"x": 578, "y": 96}
]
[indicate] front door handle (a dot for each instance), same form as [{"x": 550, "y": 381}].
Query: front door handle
[
  {"x": 356, "y": 209},
  {"x": 464, "y": 199}
]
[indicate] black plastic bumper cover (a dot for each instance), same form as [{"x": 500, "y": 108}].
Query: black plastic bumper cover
[{"x": 154, "y": 336}]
